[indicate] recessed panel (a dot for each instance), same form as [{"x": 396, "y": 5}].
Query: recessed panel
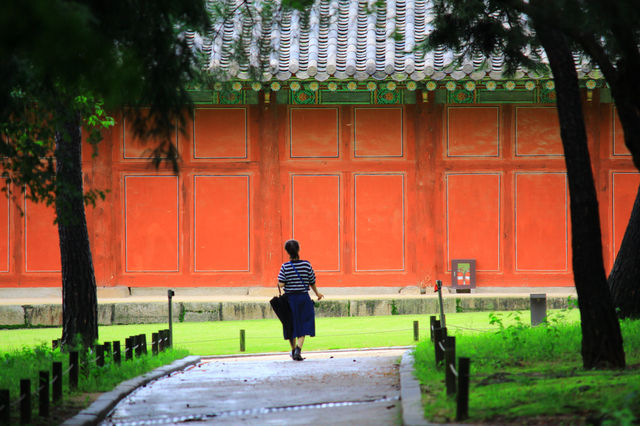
[
  {"x": 151, "y": 223},
  {"x": 134, "y": 147},
  {"x": 378, "y": 132},
  {"x": 619, "y": 148},
  {"x": 541, "y": 222},
  {"x": 473, "y": 219},
  {"x": 379, "y": 222},
  {"x": 4, "y": 234},
  {"x": 625, "y": 188},
  {"x": 313, "y": 132},
  {"x": 221, "y": 223},
  {"x": 473, "y": 132},
  {"x": 220, "y": 133},
  {"x": 42, "y": 245},
  {"x": 315, "y": 212},
  {"x": 538, "y": 132}
]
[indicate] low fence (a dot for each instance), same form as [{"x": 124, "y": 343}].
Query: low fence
[
  {"x": 445, "y": 357},
  {"x": 50, "y": 386}
]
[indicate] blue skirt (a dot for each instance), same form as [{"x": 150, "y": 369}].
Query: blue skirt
[{"x": 303, "y": 315}]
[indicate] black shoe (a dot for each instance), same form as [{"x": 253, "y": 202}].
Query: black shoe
[{"x": 296, "y": 354}]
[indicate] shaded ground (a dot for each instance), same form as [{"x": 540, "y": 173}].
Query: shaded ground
[{"x": 358, "y": 387}]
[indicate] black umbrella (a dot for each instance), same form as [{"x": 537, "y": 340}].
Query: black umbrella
[{"x": 280, "y": 305}]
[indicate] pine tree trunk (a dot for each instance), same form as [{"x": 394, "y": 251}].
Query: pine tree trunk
[
  {"x": 624, "y": 279},
  {"x": 601, "y": 337},
  {"x": 79, "y": 298}
]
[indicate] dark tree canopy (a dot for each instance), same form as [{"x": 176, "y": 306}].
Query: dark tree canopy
[{"x": 61, "y": 61}]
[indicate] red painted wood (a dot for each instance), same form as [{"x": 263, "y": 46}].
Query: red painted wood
[
  {"x": 41, "y": 243},
  {"x": 537, "y": 131},
  {"x": 473, "y": 131},
  {"x": 316, "y": 215},
  {"x": 393, "y": 193},
  {"x": 542, "y": 219},
  {"x": 378, "y": 132},
  {"x": 221, "y": 231}
]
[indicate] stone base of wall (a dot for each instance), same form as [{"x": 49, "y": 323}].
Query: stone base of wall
[{"x": 191, "y": 311}]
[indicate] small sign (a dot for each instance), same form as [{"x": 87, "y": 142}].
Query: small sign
[{"x": 463, "y": 274}]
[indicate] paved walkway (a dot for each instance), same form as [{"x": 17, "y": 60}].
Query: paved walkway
[{"x": 328, "y": 388}]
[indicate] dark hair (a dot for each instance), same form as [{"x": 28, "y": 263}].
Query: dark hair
[{"x": 292, "y": 247}]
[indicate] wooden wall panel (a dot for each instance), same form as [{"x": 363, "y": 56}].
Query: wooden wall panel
[
  {"x": 151, "y": 223},
  {"x": 537, "y": 132},
  {"x": 135, "y": 148},
  {"x": 313, "y": 132},
  {"x": 541, "y": 222},
  {"x": 315, "y": 213},
  {"x": 619, "y": 148},
  {"x": 379, "y": 222},
  {"x": 473, "y": 132},
  {"x": 5, "y": 234},
  {"x": 221, "y": 223},
  {"x": 624, "y": 189},
  {"x": 220, "y": 133},
  {"x": 42, "y": 247},
  {"x": 473, "y": 207},
  {"x": 378, "y": 132}
]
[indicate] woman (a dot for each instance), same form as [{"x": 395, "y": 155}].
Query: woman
[{"x": 296, "y": 276}]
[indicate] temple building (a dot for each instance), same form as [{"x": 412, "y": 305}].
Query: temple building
[{"x": 387, "y": 164}]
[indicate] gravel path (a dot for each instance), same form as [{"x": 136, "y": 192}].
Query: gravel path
[{"x": 336, "y": 388}]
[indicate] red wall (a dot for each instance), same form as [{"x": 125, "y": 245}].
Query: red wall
[{"x": 377, "y": 196}]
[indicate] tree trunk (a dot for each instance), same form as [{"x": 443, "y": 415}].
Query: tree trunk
[
  {"x": 601, "y": 337},
  {"x": 79, "y": 298},
  {"x": 624, "y": 279}
]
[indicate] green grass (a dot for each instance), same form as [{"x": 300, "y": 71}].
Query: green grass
[
  {"x": 26, "y": 363},
  {"x": 222, "y": 337},
  {"x": 520, "y": 373}
]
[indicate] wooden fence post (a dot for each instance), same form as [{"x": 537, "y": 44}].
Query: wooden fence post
[
  {"x": 25, "y": 401},
  {"x": 74, "y": 369},
  {"x": 462, "y": 411},
  {"x": 440, "y": 334},
  {"x": 57, "y": 382},
  {"x": 128, "y": 350},
  {"x": 117, "y": 354},
  {"x": 416, "y": 331},
  {"x": 242, "y": 342},
  {"x": 5, "y": 406},
  {"x": 154, "y": 343},
  {"x": 43, "y": 394},
  {"x": 450, "y": 364},
  {"x": 99, "y": 355}
]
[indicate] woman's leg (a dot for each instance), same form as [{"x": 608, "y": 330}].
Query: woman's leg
[{"x": 300, "y": 341}]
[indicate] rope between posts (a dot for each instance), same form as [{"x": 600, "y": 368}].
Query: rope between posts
[
  {"x": 18, "y": 401},
  {"x": 453, "y": 370}
]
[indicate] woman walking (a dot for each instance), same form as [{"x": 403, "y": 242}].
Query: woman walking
[{"x": 296, "y": 276}]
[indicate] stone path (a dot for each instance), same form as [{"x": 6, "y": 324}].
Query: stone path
[{"x": 337, "y": 388}]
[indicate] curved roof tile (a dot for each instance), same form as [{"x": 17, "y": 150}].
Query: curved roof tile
[{"x": 341, "y": 39}]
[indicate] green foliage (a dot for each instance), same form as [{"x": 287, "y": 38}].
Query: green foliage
[
  {"x": 394, "y": 308},
  {"x": 27, "y": 362},
  {"x": 520, "y": 372}
]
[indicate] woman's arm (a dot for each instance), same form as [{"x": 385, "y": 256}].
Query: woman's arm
[
  {"x": 315, "y": 290},
  {"x": 281, "y": 284}
]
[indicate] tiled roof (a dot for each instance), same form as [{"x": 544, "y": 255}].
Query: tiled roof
[{"x": 343, "y": 40}]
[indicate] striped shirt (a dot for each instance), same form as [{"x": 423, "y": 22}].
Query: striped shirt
[{"x": 292, "y": 283}]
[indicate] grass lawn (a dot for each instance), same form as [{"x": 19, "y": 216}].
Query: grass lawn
[
  {"x": 524, "y": 375},
  {"x": 222, "y": 337}
]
